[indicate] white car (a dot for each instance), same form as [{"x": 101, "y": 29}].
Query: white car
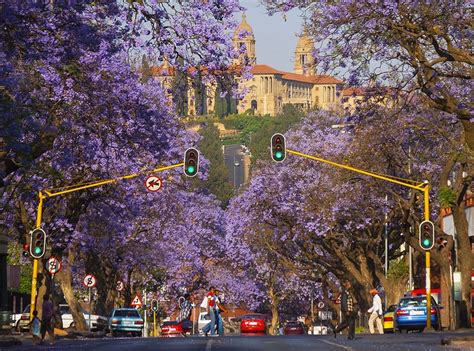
[
  {"x": 202, "y": 321},
  {"x": 97, "y": 322}
]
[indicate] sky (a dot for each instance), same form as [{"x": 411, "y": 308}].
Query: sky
[{"x": 275, "y": 39}]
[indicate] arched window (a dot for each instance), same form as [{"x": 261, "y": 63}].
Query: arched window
[{"x": 253, "y": 104}]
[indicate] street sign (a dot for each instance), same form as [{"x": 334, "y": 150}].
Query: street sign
[
  {"x": 321, "y": 304},
  {"x": 153, "y": 183},
  {"x": 338, "y": 300},
  {"x": 120, "y": 285},
  {"x": 325, "y": 315},
  {"x": 53, "y": 265},
  {"x": 89, "y": 281},
  {"x": 136, "y": 302}
]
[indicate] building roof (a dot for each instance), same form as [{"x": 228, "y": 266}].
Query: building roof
[
  {"x": 316, "y": 79},
  {"x": 353, "y": 91}
]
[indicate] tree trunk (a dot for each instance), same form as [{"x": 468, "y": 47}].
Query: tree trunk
[
  {"x": 447, "y": 314},
  {"x": 64, "y": 278},
  {"x": 274, "y": 307},
  {"x": 464, "y": 254}
]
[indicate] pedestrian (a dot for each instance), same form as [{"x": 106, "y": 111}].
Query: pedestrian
[
  {"x": 46, "y": 319},
  {"x": 376, "y": 312},
  {"x": 348, "y": 310},
  {"x": 35, "y": 328},
  {"x": 185, "y": 309},
  {"x": 211, "y": 311},
  {"x": 219, "y": 309}
]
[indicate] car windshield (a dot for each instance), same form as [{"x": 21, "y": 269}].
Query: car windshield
[
  {"x": 126, "y": 313},
  {"x": 27, "y": 309},
  {"x": 253, "y": 316},
  {"x": 64, "y": 309},
  {"x": 391, "y": 308},
  {"x": 413, "y": 301},
  {"x": 169, "y": 323}
]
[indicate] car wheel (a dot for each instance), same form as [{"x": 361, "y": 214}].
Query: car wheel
[{"x": 17, "y": 327}]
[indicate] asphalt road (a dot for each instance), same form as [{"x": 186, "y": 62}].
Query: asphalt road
[{"x": 395, "y": 342}]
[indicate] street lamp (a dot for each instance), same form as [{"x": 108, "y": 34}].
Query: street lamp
[{"x": 236, "y": 164}]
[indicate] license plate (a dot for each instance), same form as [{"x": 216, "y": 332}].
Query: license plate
[
  {"x": 417, "y": 313},
  {"x": 172, "y": 329},
  {"x": 253, "y": 323}
]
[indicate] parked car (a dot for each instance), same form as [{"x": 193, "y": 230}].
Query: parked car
[
  {"x": 124, "y": 321},
  {"x": 21, "y": 324},
  {"x": 388, "y": 319},
  {"x": 172, "y": 329},
  {"x": 253, "y": 323},
  {"x": 411, "y": 314},
  {"x": 294, "y": 328},
  {"x": 98, "y": 323},
  {"x": 202, "y": 321}
]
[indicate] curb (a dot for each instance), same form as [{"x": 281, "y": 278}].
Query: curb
[{"x": 460, "y": 339}]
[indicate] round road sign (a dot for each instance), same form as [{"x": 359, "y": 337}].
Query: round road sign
[
  {"x": 320, "y": 304},
  {"x": 153, "y": 183},
  {"x": 89, "y": 281},
  {"x": 119, "y": 285},
  {"x": 53, "y": 265}
]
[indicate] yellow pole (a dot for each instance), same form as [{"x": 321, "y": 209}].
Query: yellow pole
[
  {"x": 154, "y": 323},
  {"x": 426, "y": 193},
  {"x": 34, "y": 279}
]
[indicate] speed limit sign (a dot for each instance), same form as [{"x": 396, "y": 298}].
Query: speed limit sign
[
  {"x": 53, "y": 265},
  {"x": 89, "y": 281},
  {"x": 119, "y": 285}
]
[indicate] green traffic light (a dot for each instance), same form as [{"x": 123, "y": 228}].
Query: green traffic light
[
  {"x": 191, "y": 169},
  {"x": 278, "y": 154},
  {"x": 426, "y": 242},
  {"x": 38, "y": 250}
]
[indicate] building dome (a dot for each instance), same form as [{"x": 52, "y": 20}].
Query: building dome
[{"x": 244, "y": 27}]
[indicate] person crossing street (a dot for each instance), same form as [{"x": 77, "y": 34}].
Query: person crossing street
[
  {"x": 348, "y": 310},
  {"x": 376, "y": 312}
]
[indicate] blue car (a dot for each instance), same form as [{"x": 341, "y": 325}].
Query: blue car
[
  {"x": 124, "y": 321},
  {"x": 411, "y": 314}
]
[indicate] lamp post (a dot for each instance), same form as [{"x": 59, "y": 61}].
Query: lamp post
[{"x": 236, "y": 164}]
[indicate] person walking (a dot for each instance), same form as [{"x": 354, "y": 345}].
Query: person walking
[
  {"x": 185, "y": 308},
  {"x": 219, "y": 309},
  {"x": 35, "y": 327},
  {"x": 211, "y": 311},
  {"x": 376, "y": 312},
  {"x": 46, "y": 319},
  {"x": 348, "y": 310}
]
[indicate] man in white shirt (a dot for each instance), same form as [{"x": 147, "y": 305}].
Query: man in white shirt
[{"x": 376, "y": 312}]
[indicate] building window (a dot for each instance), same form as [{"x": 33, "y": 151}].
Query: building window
[{"x": 253, "y": 104}]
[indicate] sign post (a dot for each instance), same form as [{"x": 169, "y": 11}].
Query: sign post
[
  {"x": 53, "y": 266},
  {"x": 89, "y": 282}
]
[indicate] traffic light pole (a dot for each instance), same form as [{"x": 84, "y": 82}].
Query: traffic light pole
[
  {"x": 421, "y": 186},
  {"x": 44, "y": 194}
]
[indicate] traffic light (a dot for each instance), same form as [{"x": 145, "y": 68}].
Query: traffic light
[
  {"x": 191, "y": 162},
  {"x": 26, "y": 249},
  {"x": 37, "y": 243},
  {"x": 278, "y": 147},
  {"x": 154, "y": 305},
  {"x": 427, "y": 235}
]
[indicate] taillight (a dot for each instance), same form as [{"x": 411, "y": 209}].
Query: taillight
[
  {"x": 25, "y": 318},
  {"x": 139, "y": 322},
  {"x": 116, "y": 321},
  {"x": 402, "y": 312},
  {"x": 388, "y": 319},
  {"x": 433, "y": 310}
]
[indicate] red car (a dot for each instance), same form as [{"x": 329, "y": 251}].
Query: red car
[
  {"x": 294, "y": 328},
  {"x": 253, "y": 323},
  {"x": 172, "y": 329}
]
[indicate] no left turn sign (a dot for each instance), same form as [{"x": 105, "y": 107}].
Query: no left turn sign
[
  {"x": 153, "y": 183},
  {"x": 89, "y": 281}
]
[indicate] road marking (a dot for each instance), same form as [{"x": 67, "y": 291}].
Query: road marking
[
  {"x": 209, "y": 345},
  {"x": 348, "y": 348}
]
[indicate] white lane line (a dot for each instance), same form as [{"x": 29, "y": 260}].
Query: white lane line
[
  {"x": 348, "y": 348},
  {"x": 209, "y": 345}
]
